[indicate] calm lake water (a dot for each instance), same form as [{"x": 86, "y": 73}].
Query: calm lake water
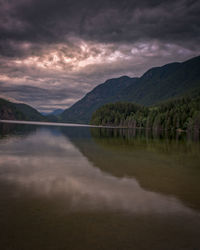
[{"x": 93, "y": 188}]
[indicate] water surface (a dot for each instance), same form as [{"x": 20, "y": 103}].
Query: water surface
[{"x": 94, "y": 188}]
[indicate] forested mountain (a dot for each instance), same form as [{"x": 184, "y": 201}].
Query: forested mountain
[
  {"x": 18, "y": 111},
  {"x": 8, "y": 111},
  {"x": 109, "y": 91},
  {"x": 182, "y": 113},
  {"x": 163, "y": 83},
  {"x": 156, "y": 85}
]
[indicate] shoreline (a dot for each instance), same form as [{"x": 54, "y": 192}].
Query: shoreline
[
  {"x": 79, "y": 125},
  {"x": 53, "y": 124}
]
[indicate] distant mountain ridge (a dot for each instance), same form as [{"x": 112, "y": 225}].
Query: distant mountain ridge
[
  {"x": 57, "y": 112},
  {"x": 156, "y": 85},
  {"x": 54, "y": 112},
  {"x": 162, "y": 83}
]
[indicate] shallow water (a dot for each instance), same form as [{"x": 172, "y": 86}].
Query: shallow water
[{"x": 94, "y": 188}]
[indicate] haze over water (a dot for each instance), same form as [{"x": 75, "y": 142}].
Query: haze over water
[{"x": 94, "y": 188}]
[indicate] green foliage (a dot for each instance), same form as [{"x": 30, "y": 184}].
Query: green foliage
[
  {"x": 104, "y": 93},
  {"x": 158, "y": 84},
  {"x": 183, "y": 113}
]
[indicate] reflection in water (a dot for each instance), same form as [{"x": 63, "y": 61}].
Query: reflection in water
[
  {"x": 51, "y": 165},
  {"x": 113, "y": 172},
  {"x": 170, "y": 165}
]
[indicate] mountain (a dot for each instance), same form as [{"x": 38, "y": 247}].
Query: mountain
[
  {"x": 30, "y": 113},
  {"x": 8, "y": 111},
  {"x": 166, "y": 82},
  {"x": 54, "y": 112},
  {"x": 18, "y": 111},
  {"x": 156, "y": 85},
  {"x": 57, "y": 112},
  {"x": 109, "y": 91}
]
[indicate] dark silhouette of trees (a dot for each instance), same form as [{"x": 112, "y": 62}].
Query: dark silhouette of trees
[{"x": 182, "y": 113}]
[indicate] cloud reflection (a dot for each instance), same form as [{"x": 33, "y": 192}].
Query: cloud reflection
[{"x": 49, "y": 165}]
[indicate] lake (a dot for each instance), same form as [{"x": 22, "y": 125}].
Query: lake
[{"x": 96, "y": 188}]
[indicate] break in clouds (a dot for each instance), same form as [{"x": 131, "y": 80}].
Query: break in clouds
[{"x": 53, "y": 52}]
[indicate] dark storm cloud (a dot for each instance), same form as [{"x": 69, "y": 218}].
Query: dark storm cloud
[
  {"x": 55, "y": 51},
  {"x": 51, "y": 21},
  {"x": 56, "y": 98}
]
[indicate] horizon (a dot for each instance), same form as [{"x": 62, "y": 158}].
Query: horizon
[
  {"x": 63, "y": 109},
  {"x": 53, "y": 53}
]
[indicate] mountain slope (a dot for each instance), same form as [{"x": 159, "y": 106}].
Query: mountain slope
[
  {"x": 30, "y": 113},
  {"x": 156, "y": 85},
  {"x": 106, "y": 92},
  {"x": 8, "y": 111},
  {"x": 162, "y": 83},
  {"x": 18, "y": 111}
]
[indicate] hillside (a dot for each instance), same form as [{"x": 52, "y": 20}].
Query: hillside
[
  {"x": 8, "y": 111},
  {"x": 166, "y": 82},
  {"x": 18, "y": 111},
  {"x": 156, "y": 85},
  {"x": 109, "y": 91}
]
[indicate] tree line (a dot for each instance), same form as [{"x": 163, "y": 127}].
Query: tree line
[{"x": 182, "y": 113}]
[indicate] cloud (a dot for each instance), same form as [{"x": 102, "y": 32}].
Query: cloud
[
  {"x": 65, "y": 45},
  {"x": 43, "y": 172},
  {"x": 106, "y": 21},
  {"x": 55, "y": 98}
]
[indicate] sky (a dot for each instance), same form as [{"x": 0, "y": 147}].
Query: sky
[{"x": 52, "y": 52}]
